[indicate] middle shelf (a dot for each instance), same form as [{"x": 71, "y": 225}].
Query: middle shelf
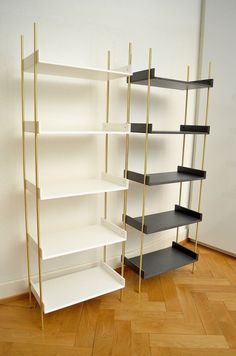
[
  {"x": 63, "y": 189},
  {"x": 61, "y": 243},
  {"x": 164, "y": 221}
]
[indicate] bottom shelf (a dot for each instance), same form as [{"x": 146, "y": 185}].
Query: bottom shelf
[
  {"x": 76, "y": 287},
  {"x": 155, "y": 263}
]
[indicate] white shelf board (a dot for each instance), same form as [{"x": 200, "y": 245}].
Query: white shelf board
[
  {"x": 72, "y": 188},
  {"x": 61, "y": 70},
  {"x": 76, "y": 287},
  {"x": 60, "y": 243},
  {"x": 108, "y": 128}
]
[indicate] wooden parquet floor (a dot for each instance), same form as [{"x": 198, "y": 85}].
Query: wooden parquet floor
[{"x": 177, "y": 314}]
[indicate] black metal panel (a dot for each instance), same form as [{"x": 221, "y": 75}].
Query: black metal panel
[
  {"x": 185, "y": 250},
  {"x": 155, "y": 263},
  {"x": 195, "y": 128},
  {"x": 141, "y": 78},
  {"x": 164, "y": 221},
  {"x": 136, "y": 127},
  {"x": 183, "y": 174},
  {"x": 193, "y": 213},
  {"x": 192, "y": 171},
  {"x": 142, "y": 75},
  {"x": 137, "y": 177}
]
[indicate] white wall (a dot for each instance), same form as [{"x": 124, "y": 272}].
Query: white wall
[
  {"x": 80, "y": 32},
  {"x": 219, "y": 194}
]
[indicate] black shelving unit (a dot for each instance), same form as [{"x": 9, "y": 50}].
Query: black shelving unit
[{"x": 154, "y": 263}]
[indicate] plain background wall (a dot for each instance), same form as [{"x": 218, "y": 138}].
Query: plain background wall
[
  {"x": 80, "y": 33},
  {"x": 219, "y": 192}
]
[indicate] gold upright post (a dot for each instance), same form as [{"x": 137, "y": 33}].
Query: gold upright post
[
  {"x": 203, "y": 161},
  {"x": 145, "y": 168},
  {"x": 36, "y": 170},
  {"x": 106, "y": 143},
  {"x": 126, "y": 160},
  {"x": 24, "y": 163},
  {"x": 183, "y": 146}
]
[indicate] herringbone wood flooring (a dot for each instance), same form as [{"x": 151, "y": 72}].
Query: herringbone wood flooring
[{"x": 178, "y": 313}]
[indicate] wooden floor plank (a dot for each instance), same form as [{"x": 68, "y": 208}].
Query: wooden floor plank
[
  {"x": 104, "y": 333},
  {"x": 193, "y": 341},
  {"x": 207, "y": 316},
  {"x": 170, "y": 293},
  {"x": 140, "y": 345},
  {"x": 122, "y": 338},
  {"x": 87, "y": 326},
  {"x": 167, "y": 351},
  {"x": 226, "y": 323}
]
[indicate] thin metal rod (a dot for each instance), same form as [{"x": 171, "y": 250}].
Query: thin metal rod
[
  {"x": 24, "y": 164},
  {"x": 107, "y": 143},
  {"x": 183, "y": 146},
  {"x": 203, "y": 154},
  {"x": 126, "y": 158},
  {"x": 37, "y": 171},
  {"x": 145, "y": 168}
]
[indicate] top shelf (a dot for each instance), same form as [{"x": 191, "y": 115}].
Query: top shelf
[
  {"x": 141, "y": 78},
  {"x": 56, "y": 69}
]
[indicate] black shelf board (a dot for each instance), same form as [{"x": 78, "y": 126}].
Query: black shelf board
[
  {"x": 183, "y": 174},
  {"x": 164, "y": 221},
  {"x": 141, "y": 78},
  {"x": 155, "y": 263},
  {"x": 184, "y": 129}
]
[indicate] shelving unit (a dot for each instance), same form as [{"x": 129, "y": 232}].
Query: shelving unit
[
  {"x": 175, "y": 256},
  {"x": 64, "y": 290}
]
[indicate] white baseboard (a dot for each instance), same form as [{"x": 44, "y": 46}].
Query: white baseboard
[{"x": 20, "y": 286}]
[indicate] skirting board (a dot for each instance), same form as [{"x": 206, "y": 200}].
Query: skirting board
[
  {"x": 20, "y": 286},
  {"x": 213, "y": 247}
]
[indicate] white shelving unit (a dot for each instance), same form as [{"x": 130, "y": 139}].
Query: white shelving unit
[{"x": 71, "y": 288}]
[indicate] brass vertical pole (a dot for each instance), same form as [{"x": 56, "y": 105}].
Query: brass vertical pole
[
  {"x": 145, "y": 168},
  {"x": 106, "y": 143},
  {"x": 203, "y": 160},
  {"x": 126, "y": 159},
  {"x": 183, "y": 146},
  {"x": 36, "y": 170},
  {"x": 24, "y": 163}
]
